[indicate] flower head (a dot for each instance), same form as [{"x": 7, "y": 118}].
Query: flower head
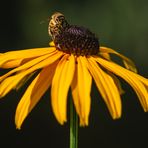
[{"x": 72, "y": 60}]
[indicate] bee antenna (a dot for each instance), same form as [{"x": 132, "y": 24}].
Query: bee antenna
[{"x": 44, "y": 21}]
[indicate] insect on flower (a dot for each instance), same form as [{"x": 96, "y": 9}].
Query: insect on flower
[{"x": 73, "y": 58}]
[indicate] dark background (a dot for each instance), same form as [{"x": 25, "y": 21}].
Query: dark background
[{"x": 121, "y": 25}]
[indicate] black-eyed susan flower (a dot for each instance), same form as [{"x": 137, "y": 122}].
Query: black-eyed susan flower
[{"x": 71, "y": 61}]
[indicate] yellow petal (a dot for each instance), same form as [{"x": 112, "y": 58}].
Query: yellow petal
[
  {"x": 129, "y": 64},
  {"x": 25, "y": 66},
  {"x": 117, "y": 82},
  {"x": 107, "y": 88},
  {"x": 23, "y": 81},
  {"x": 140, "y": 78},
  {"x": 16, "y": 62},
  {"x": 33, "y": 94},
  {"x": 11, "y": 82},
  {"x": 104, "y": 55},
  {"x": 51, "y": 44},
  {"x": 12, "y": 63},
  {"x": 23, "y": 54},
  {"x": 135, "y": 80},
  {"x": 76, "y": 96},
  {"x": 60, "y": 86},
  {"x": 46, "y": 59},
  {"x": 84, "y": 88}
]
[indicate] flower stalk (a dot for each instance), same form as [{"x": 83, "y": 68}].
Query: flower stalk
[{"x": 73, "y": 126}]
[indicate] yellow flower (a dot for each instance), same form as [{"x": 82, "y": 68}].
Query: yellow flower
[{"x": 63, "y": 70}]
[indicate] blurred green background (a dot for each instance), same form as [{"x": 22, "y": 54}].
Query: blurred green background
[{"x": 119, "y": 24}]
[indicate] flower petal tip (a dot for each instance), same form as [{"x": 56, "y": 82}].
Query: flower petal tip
[
  {"x": 61, "y": 122},
  {"x": 145, "y": 109},
  {"x": 1, "y": 95},
  {"x": 117, "y": 116},
  {"x": 18, "y": 127},
  {"x": 83, "y": 123}
]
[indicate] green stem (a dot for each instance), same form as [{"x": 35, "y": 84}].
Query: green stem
[{"x": 73, "y": 126}]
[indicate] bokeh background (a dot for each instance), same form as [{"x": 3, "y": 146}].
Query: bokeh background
[{"x": 119, "y": 24}]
